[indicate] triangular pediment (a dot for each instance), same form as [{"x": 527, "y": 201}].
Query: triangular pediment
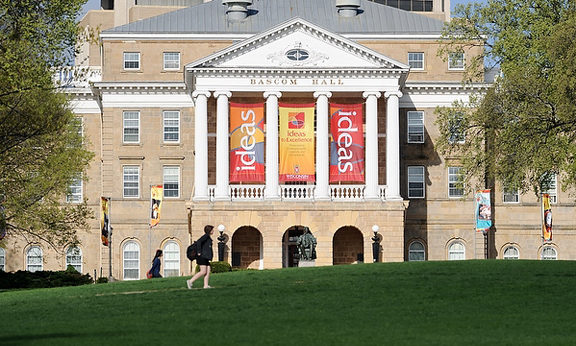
[{"x": 297, "y": 44}]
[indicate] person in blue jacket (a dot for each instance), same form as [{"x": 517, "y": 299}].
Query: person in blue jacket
[
  {"x": 205, "y": 255},
  {"x": 156, "y": 265}
]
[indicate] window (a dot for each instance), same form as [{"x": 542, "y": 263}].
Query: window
[
  {"x": 415, "y": 127},
  {"x": 131, "y": 60},
  {"x": 457, "y": 128},
  {"x": 456, "y": 61},
  {"x": 171, "y": 60},
  {"x": 78, "y": 127},
  {"x": 131, "y": 258},
  {"x": 416, "y": 61},
  {"x": 511, "y": 252},
  {"x": 2, "y": 259},
  {"x": 511, "y": 196},
  {"x": 131, "y": 178},
  {"x": 549, "y": 186},
  {"x": 416, "y": 252},
  {"x": 455, "y": 182},
  {"x": 456, "y": 251},
  {"x": 34, "y": 259},
  {"x": 171, "y": 122},
  {"x": 131, "y": 127},
  {"x": 549, "y": 253},
  {"x": 75, "y": 190},
  {"x": 415, "y": 181},
  {"x": 408, "y": 5},
  {"x": 172, "y": 181},
  {"x": 171, "y": 259},
  {"x": 74, "y": 258}
]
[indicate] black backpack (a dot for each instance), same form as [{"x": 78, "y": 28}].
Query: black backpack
[{"x": 192, "y": 251}]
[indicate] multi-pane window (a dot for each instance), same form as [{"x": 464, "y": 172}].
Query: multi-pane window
[
  {"x": 511, "y": 196},
  {"x": 78, "y": 126},
  {"x": 550, "y": 181},
  {"x": 549, "y": 253},
  {"x": 511, "y": 252},
  {"x": 34, "y": 259},
  {"x": 131, "y": 181},
  {"x": 456, "y": 61},
  {"x": 74, "y": 194},
  {"x": 408, "y": 5},
  {"x": 171, "y": 60},
  {"x": 2, "y": 259},
  {"x": 456, "y": 251},
  {"x": 131, "y": 126},
  {"x": 457, "y": 129},
  {"x": 74, "y": 258},
  {"x": 131, "y": 60},
  {"x": 416, "y": 252},
  {"x": 415, "y": 181},
  {"x": 416, "y": 60},
  {"x": 172, "y": 181},
  {"x": 171, "y": 123},
  {"x": 415, "y": 127},
  {"x": 131, "y": 261},
  {"x": 455, "y": 182},
  {"x": 171, "y": 259}
]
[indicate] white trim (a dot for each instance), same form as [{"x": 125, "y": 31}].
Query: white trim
[
  {"x": 164, "y": 127},
  {"x": 164, "y": 68},
  {"x": 131, "y": 68},
  {"x": 124, "y": 127}
]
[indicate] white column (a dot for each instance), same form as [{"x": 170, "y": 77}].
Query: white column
[
  {"x": 201, "y": 145},
  {"x": 392, "y": 145},
  {"x": 322, "y": 190},
  {"x": 222, "y": 192},
  {"x": 272, "y": 191},
  {"x": 371, "y": 191}
]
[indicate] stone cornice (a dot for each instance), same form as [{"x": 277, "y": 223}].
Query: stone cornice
[
  {"x": 298, "y": 73},
  {"x": 429, "y": 88}
]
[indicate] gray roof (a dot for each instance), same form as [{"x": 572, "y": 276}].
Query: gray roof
[{"x": 210, "y": 18}]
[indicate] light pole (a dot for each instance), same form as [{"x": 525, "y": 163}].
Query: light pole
[
  {"x": 221, "y": 243},
  {"x": 376, "y": 244}
]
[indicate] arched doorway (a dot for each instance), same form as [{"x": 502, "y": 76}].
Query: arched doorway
[
  {"x": 247, "y": 248},
  {"x": 347, "y": 246},
  {"x": 289, "y": 248}
]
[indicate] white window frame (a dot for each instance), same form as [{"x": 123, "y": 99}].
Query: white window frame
[
  {"x": 131, "y": 266},
  {"x": 164, "y": 60},
  {"x": 456, "y": 57},
  {"x": 171, "y": 181},
  {"x": 76, "y": 190},
  {"x": 415, "y": 127},
  {"x": 416, "y": 176},
  {"x": 2, "y": 259},
  {"x": 74, "y": 258},
  {"x": 416, "y": 252},
  {"x": 553, "y": 189},
  {"x": 130, "y": 121},
  {"x": 129, "y": 58},
  {"x": 128, "y": 171},
  {"x": 546, "y": 257},
  {"x": 453, "y": 180},
  {"x": 456, "y": 254},
  {"x": 411, "y": 59},
  {"x": 31, "y": 264},
  {"x": 510, "y": 196},
  {"x": 171, "y": 254},
  {"x": 511, "y": 252},
  {"x": 172, "y": 123}
]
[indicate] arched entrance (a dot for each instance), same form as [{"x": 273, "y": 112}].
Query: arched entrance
[
  {"x": 289, "y": 248},
  {"x": 347, "y": 246},
  {"x": 247, "y": 248}
]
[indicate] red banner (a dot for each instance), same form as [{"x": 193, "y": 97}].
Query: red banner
[
  {"x": 347, "y": 143},
  {"x": 247, "y": 143}
]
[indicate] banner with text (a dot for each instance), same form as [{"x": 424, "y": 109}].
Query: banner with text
[
  {"x": 483, "y": 210},
  {"x": 296, "y": 142},
  {"x": 546, "y": 217},
  {"x": 347, "y": 143},
  {"x": 105, "y": 220},
  {"x": 156, "y": 194},
  {"x": 247, "y": 143}
]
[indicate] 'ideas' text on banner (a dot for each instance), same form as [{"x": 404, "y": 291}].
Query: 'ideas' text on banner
[
  {"x": 247, "y": 143},
  {"x": 347, "y": 143}
]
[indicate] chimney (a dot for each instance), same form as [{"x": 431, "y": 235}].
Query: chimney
[
  {"x": 348, "y": 8},
  {"x": 237, "y": 9}
]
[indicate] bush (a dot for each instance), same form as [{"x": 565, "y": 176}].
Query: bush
[
  {"x": 217, "y": 267},
  {"x": 102, "y": 280},
  {"x": 43, "y": 279}
]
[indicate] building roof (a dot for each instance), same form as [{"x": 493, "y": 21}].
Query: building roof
[{"x": 210, "y": 18}]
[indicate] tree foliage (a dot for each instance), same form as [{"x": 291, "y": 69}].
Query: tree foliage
[
  {"x": 523, "y": 127},
  {"x": 41, "y": 150}
]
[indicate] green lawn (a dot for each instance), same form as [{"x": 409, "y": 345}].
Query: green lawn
[{"x": 431, "y": 303}]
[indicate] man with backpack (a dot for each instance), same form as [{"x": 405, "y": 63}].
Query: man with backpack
[{"x": 204, "y": 255}]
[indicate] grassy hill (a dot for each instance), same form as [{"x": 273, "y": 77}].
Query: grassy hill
[{"x": 432, "y": 303}]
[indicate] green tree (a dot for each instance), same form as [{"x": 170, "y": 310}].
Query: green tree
[
  {"x": 523, "y": 127},
  {"x": 41, "y": 150}
]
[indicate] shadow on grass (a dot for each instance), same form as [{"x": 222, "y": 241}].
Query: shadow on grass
[{"x": 47, "y": 337}]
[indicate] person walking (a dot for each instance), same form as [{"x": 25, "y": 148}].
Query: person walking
[
  {"x": 156, "y": 265},
  {"x": 205, "y": 255}
]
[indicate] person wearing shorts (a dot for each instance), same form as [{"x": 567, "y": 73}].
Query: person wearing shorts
[{"x": 204, "y": 257}]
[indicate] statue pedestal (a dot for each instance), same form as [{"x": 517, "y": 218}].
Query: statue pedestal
[{"x": 307, "y": 263}]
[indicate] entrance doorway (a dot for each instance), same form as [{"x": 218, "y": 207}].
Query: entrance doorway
[{"x": 289, "y": 247}]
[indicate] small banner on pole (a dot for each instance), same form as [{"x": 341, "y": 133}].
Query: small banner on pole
[
  {"x": 105, "y": 219},
  {"x": 483, "y": 213},
  {"x": 546, "y": 217},
  {"x": 156, "y": 193}
]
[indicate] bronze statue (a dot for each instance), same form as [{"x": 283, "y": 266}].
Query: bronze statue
[{"x": 306, "y": 246}]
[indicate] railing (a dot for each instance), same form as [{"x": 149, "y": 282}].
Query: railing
[
  {"x": 77, "y": 76},
  {"x": 338, "y": 193}
]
